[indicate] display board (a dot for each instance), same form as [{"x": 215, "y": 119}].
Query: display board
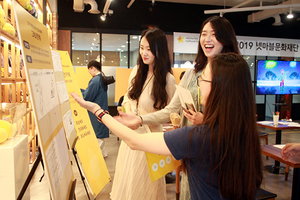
[
  {"x": 62, "y": 91},
  {"x": 36, "y": 53},
  {"x": 87, "y": 145}
]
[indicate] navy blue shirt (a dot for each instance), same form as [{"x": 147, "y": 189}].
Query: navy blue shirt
[
  {"x": 178, "y": 143},
  {"x": 95, "y": 93}
]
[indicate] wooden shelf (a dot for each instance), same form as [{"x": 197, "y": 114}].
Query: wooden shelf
[{"x": 13, "y": 79}]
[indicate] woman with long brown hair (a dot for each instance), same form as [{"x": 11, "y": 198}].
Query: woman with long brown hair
[
  {"x": 151, "y": 87},
  {"x": 216, "y": 36},
  {"x": 222, "y": 155}
]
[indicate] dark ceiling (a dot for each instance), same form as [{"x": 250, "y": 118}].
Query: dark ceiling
[{"x": 170, "y": 17}]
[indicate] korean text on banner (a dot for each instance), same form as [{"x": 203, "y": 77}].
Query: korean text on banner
[{"x": 87, "y": 146}]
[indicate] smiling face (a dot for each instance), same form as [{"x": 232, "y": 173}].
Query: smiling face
[
  {"x": 205, "y": 83},
  {"x": 145, "y": 52},
  {"x": 209, "y": 43}
]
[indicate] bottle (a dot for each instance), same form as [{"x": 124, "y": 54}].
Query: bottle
[{"x": 287, "y": 114}]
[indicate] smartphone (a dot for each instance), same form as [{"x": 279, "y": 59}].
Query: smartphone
[
  {"x": 190, "y": 106},
  {"x": 186, "y": 110}
]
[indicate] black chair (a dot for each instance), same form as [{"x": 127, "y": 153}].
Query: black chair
[{"x": 265, "y": 195}]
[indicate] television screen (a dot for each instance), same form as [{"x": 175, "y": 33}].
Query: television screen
[{"x": 278, "y": 77}]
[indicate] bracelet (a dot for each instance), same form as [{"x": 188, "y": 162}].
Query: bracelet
[
  {"x": 104, "y": 112},
  {"x": 141, "y": 119},
  {"x": 97, "y": 110}
]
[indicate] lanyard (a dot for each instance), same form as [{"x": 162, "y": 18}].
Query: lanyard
[
  {"x": 199, "y": 99},
  {"x": 137, "y": 101}
]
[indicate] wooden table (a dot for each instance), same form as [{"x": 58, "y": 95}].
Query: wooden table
[
  {"x": 276, "y": 167},
  {"x": 277, "y": 128},
  {"x": 274, "y": 152}
]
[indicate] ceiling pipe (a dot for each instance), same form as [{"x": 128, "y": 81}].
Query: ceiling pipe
[
  {"x": 106, "y": 6},
  {"x": 243, "y": 3},
  {"x": 239, "y": 5},
  {"x": 275, "y": 13},
  {"x": 250, "y": 8},
  {"x": 78, "y": 6},
  {"x": 277, "y": 20},
  {"x": 261, "y": 15},
  {"x": 130, "y": 3}
]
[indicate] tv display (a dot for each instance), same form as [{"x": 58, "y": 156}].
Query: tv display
[{"x": 278, "y": 77}]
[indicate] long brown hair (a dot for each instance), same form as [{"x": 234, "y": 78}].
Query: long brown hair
[
  {"x": 234, "y": 148},
  {"x": 224, "y": 33},
  {"x": 159, "y": 47}
]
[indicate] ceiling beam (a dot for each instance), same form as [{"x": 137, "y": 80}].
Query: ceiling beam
[{"x": 250, "y": 8}]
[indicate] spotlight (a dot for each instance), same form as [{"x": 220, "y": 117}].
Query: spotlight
[
  {"x": 103, "y": 17},
  {"x": 290, "y": 15},
  {"x": 110, "y": 12}
]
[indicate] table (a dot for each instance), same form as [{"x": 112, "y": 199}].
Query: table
[
  {"x": 276, "y": 168},
  {"x": 277, "y": 128},
  {"x": 274, "y": 152}
]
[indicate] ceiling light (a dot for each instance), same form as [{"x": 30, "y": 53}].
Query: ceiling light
[
  {"x": 110, "y": 12},
  {"x": 290, "y": 15},
  {"x": 103, "y": 17}
]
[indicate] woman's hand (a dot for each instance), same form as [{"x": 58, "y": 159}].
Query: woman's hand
[
  {"x": 92, "y": 107},
  {"x": 194, "y": 117},
  {"x": 130, "y": 120},
  {"x": 290, "y": 150}
]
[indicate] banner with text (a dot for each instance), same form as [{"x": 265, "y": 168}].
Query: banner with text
[
  {"x": 87, "y": 146},
  {"x": 33, "y": 37},
  {"x": 252, "y": 46}
]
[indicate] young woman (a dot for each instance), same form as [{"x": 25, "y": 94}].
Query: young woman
[
  {"x": 151, "y": 87},
  {"x": 222, "y": 155},
  {"x": 216, "y": 36}
]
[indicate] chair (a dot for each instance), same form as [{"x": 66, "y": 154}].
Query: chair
[
  {"x": 177, "y": 171},
  {"x": 287, "y": 169},
  {"x": 264, "y": 135},
  {"x": 265, "y": 195}
]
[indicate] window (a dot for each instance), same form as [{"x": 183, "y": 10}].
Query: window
[
  {"x": 85, "y": 47},
  {"x": 184, "y": 60}
]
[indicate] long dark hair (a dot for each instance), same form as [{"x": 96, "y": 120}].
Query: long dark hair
[
  {"x": 234, "y": 148},
  {"x": 159, "y": 47},
  {"x": 224, "y": 33}
]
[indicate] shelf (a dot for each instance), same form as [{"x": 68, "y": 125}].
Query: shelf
[{"x": 13, "y": 79}]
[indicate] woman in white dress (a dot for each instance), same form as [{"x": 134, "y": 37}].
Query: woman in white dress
[{"x": 151, "y": 87}]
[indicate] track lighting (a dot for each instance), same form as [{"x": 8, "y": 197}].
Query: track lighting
[
  {"x": 290, "y": 15},
  {"x": 103, "y": 17}
]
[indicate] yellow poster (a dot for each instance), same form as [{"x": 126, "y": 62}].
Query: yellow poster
[
  {"x": 122, "y": 76},
  {"x": 33, "y": 37},
  {"x": 160, "y": 165},
  {"x": 83, "y": 76},
  {"x": 87, "y": 146}
]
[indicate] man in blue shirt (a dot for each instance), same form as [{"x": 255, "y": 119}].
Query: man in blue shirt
[{"x": 97, "y": 92}]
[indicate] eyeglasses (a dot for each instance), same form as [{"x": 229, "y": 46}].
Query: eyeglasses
[{"x": 199, "y": 79}]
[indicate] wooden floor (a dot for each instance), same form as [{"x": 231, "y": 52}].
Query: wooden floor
[{"x": 272, "y": 182}]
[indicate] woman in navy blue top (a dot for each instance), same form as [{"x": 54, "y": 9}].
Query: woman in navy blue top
[{"x": 222, "y": 156}]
